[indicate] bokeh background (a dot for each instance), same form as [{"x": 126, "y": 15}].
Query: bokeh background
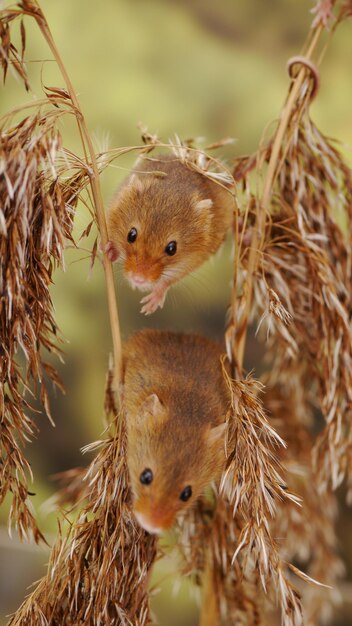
[{"x": 191, "y": 67}]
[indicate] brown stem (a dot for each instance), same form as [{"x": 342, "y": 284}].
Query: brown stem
[
  {"x": 97, "y": 196},
  {"x": 210, "y": 614},
  {"x": 258, "y": 231},
  {"x": 210, "y": 611}
]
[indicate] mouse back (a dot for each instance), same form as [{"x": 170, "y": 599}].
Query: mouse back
[{"x": 176, "y": 403}]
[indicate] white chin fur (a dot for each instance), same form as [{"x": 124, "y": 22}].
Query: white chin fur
[
  {"x": 143, "y": 521},
  {"x": 147, "y": 286}
]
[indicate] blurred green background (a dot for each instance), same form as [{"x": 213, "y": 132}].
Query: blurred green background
[{"x": 197, "y": 68}]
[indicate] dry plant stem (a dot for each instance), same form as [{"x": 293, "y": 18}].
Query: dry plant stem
[
  {"x": 97, "y": 197},
  {"x": 256, "y": 244},
  {"x": 210, "y": 611},
  {"x": 210, "y": 615}
]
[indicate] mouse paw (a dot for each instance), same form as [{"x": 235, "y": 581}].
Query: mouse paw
[
  {"x": 152, "y": 301},
  {"x": 111, "y": 251},
  {"x": 323, "y": 12}
]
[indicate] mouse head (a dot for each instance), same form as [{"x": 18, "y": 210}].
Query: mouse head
[
  {"x": 159, "y": 226},
  {"x": 170, "y": 466}
]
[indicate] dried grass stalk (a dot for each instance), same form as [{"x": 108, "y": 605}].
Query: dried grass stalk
[
  {"x": 59, "y": 95},
  {"x": 253, "y": 485},
  {"x": 305, "y": 534},
  {"x": 205, "y": 541},
  {"x": 305, "y": 278},
  {"x": 308, "y": 532},
  {"x": 228, "y": 542},
  {"x": 9, "y": 55},
  {"x": 99, "y": 570},
  {"x": 36, "y": 217}
]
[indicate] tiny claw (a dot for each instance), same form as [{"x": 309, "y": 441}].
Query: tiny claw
[
  {"x": 111, "y": 251},
  {"x": 247, "y": 238},
  {"x": 152, "y": 301}
]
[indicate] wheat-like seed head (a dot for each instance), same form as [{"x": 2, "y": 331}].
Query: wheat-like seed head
[
  {"x": 35, "y": 220},
  {"x": 307, "y": 263},
  {"x": 99, "y": 569}
]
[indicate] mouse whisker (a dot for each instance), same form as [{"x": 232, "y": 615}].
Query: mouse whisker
[{"x": 180, "y": 270}]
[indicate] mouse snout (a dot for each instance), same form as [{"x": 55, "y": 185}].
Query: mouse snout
[
  {"x": 142, "y": 272},
  {"x": 138, "y": 279},
  {"x": 154, "y": 519}
]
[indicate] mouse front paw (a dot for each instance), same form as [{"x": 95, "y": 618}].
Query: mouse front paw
[
  {"x": 152, "y": 301},
  {"x": 323, "y": 12},
  {"x": 111, "y": 251}
]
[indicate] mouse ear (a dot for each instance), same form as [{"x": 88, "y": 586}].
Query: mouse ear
[
  {"x": 152, "y": 404},
  {"x": 139, "y": 181},
  {"x": 135, "y": 182},
  {"x": 203, "y": 204},
  {"x": 216, "y": 434},
  {"x": 152, "y": 409}
]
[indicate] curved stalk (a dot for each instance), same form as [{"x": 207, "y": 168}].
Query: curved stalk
[
  {"x": 264, "y": 202},
  {"x": 210, "y": 612},
  {"x": 96, "y": 190}
]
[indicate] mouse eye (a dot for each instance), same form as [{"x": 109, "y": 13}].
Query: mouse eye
[
  {"x": 171, "y": 248},
  {"x": 132, "y": 235},
  {"x": 146, "y": 476},
  {"x": 186, "y": 493}
]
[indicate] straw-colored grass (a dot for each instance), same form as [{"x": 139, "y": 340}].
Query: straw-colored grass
[
  {"x": 36, "y": 219},
  {"x": 99, "y": 570},
  {"x": 292, "y": 273}
]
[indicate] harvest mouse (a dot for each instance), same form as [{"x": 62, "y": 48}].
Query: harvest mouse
[
  {"x": 176, "y": 403},
  {"x": 165, "y": 220}
]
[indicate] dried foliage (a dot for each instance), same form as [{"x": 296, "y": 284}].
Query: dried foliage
[
  {"x": 244, "y": 554},
  {"x": 98, "y": 571},
  {"x": 253, "y": 486},
  {"x": 206, "y": 538},
  {"x": 36, "y": 217},
  {"x": 40, "y": 184},
  {"x": 305, "y": 534},
  {"x": 72, "y": 492},
  {"x": 305, "y": 278},
  {"x": 9, "y": 55},
  {"x": 298, "y": 265},
  {"x": 103, "y": 549},
  {"x": 292, "y": 271}
]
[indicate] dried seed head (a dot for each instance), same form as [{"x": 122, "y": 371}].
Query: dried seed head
[
  {"x": 99, "y": 569},
  {"x": 35, "y": 221}
]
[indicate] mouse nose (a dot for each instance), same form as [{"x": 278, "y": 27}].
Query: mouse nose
[
  {"x": 138, "y": 279},
  {"x": 154, "y": 518},
  {"x": 147, "y": 524}
]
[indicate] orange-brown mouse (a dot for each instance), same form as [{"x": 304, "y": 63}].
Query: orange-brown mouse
[
  {"x": 176, "y": 402},
  {"x": 165, "y": 220}
]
